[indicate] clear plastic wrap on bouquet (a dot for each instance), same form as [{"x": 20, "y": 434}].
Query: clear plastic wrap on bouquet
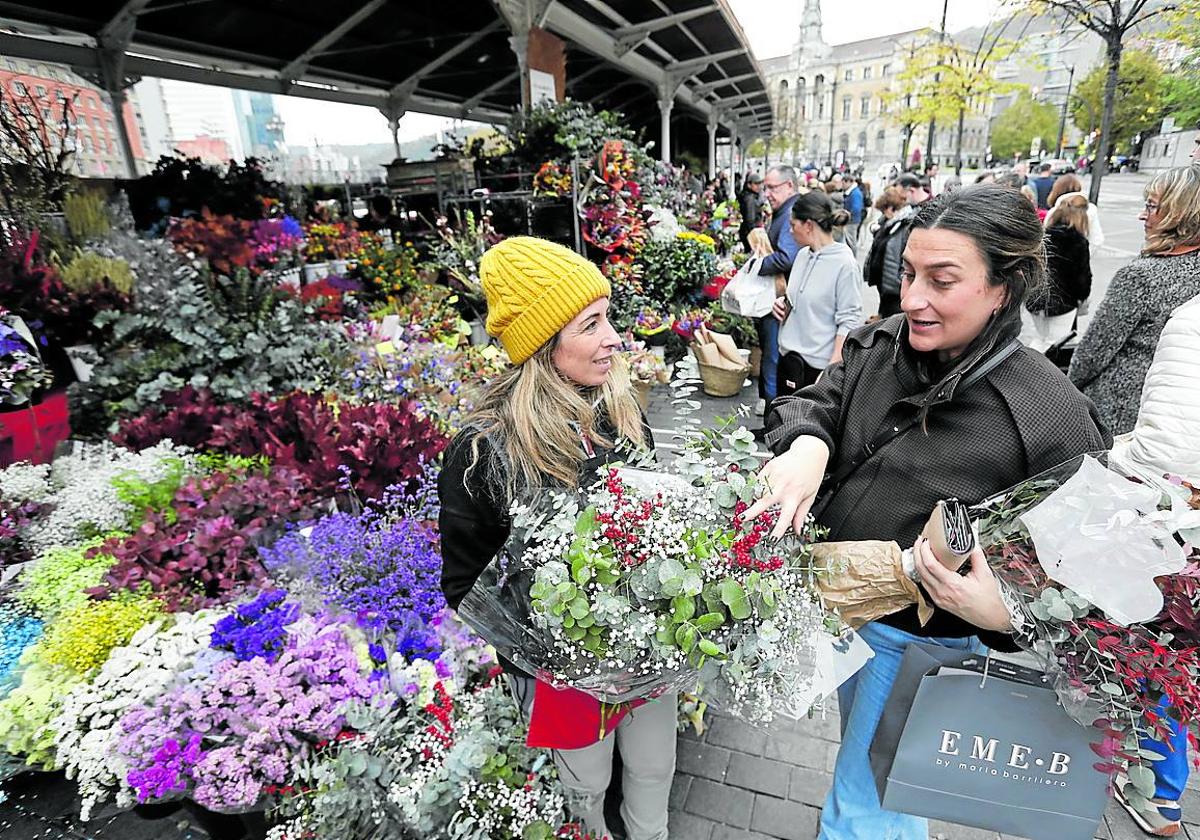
[
  {"x": 1088, "y": 557},
  {"x": 649, "y": 584}
]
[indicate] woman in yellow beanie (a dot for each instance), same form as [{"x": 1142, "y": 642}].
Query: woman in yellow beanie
[{"x": 551, "y": 421}]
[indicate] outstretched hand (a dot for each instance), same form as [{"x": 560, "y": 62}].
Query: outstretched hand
[{"x": 792, "y": 481}]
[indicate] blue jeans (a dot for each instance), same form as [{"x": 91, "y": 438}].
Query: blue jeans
[
  {"x": 852, "y": 810},
  {"x": 768, "y": 341},
  {"x": 1170, "y": 774}
]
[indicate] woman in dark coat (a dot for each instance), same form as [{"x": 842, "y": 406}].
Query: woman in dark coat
[
  {"x": 882, "y": 268},
  {"x": 970, "y": 258},
  {"x": 1049, "y": 315}
]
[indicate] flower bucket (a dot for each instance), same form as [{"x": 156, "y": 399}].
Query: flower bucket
[
  {"x": 291, "y": 277},
  {"x": 479, "y": 336},
  {"x": 339, "y": 267},
  {"x": 316, "y": 271},
  {"x": 656, "y": 338},
  {"x": 83, "y": 359}
]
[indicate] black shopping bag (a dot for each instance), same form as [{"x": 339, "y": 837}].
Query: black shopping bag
[{"x": 985, "y": 743}]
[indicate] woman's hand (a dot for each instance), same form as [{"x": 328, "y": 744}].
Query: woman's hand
[
  {"x": 792, "y": 481},
  {"x": 975, "y": 597}
]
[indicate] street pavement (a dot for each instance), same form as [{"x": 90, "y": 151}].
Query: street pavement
[{"x": 737, "y": 782}]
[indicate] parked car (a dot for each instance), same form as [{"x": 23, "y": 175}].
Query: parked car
[{"x": 1060, "y": 166}]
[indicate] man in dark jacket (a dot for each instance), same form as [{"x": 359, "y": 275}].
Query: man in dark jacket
[
  {"x": 751, "y": 207},
  {"x": 1043, "y": 184},
  {"x": 780, "y": 186}
]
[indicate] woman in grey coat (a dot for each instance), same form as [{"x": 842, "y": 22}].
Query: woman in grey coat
[{"x": 1111, "y": 361}]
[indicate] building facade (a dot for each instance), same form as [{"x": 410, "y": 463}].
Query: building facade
[
  {"x": 831, "y": 100},
  {"x": 97, "y": 145}
]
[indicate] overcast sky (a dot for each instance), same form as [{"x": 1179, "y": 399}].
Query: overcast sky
[{"x": 770, "y": 25}]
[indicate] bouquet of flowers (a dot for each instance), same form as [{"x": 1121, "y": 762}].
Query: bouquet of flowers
[
  {"x": 1096, "y": 565},
  {"x": 21, "y": 369},
  {"x": 552, "y": 179},
  {"x": 651, "y": 581},
  {"x": 646, "y": 368},
  {"x": 650, "y": 326}
]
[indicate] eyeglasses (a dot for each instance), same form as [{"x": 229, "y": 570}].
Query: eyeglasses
[
  {"x": 772, "y": 187},
  {"x": 1151, "y": 206}
]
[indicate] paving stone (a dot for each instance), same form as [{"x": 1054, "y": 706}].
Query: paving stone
[
  {"x": 784, "y": 819},
  {"x": 950, "y": 831},
  {"x": 687, "y": 826},
  {"x": 761, "y": 775},
  {"x": 697, "y": 758},
  {"x": 797, "y": 748},
  {"x": 720, "y": 803},
  {"x": 724, "y": 832},
  {"x": 736, "y": 735},
  {"x": 809, "y": 786},
  {"x": 679, "y": 791}
]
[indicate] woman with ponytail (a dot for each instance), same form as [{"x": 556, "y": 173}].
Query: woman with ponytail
[{"x": 823, "y": 302}]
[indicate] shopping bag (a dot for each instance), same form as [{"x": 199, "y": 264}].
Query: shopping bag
[
  {"x": 976, "y": 741},
  {"x": 749, "y": 293}
]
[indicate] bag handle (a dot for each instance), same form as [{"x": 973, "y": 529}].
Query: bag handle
[{"x": 836, "y": 480}]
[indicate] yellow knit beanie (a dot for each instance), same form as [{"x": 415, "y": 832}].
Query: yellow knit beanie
[{"x": 534, "y": 288}]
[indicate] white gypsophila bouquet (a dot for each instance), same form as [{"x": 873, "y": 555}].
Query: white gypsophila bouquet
[
  {"x": 88, "y": 728},
  {"x": 651, "y": 581},
  {"x": 25, "y": 482},
  {"x": 82, "y": 500}
]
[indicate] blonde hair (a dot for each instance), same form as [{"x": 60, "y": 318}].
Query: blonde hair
[
  {"x": 535, "y": 416},
  {"x": 758, "y": 238},
  {"x": 1028, "y": 192},
  {"x": 1071, "y": 211},
  {"x": 1177, "y": 192}
]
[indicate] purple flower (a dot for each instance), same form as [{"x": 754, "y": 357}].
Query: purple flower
[{"x": 257, "y": 628}]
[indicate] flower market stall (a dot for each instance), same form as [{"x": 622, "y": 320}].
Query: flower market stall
[{"x": 224, "y": 590}]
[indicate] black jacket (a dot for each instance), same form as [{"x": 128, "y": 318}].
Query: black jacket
[
  {"x": 1068, "y": 272},
  {"x": 1022, "y": 418},
  {"x": 474, "y": 521},
  {"x": 882, "y": 268}
]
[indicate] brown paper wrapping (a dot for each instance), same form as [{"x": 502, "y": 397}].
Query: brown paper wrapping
[
  {"x": 717, "y": 350},
  {"x": 867, "y": 581}
]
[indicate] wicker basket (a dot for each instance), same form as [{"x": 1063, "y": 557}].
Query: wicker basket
[{"x": 722, "y": 382}]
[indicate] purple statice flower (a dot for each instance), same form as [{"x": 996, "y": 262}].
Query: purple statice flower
[
  {"x": 170, "y": 771},
  {"x": 258, "y": 628},
  {"x": 343, "y": 284},
  {"x": 257, "y": 717},
  {"x": 383, "y": 568}
]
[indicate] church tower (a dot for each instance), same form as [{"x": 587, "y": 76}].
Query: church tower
[{"x": 810, "y": 45}]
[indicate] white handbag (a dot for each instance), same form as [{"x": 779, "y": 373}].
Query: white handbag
[{"x": 749, "y": 294}]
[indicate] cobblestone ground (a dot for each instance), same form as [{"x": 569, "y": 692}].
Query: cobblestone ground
[{"x": 736, "y": 782}]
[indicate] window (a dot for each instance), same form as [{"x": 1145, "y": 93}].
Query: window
[
  {"x": 887, "y": 70},
  {"x": 41, "y": 90},
  {"x": 862, "y": 142},
  {"x": 880, "y": 138},
  {"x": 866, "y": 73},
  {"x": 19, "y": 88},
  {"x": 844, "y": 142},
  {"x": 864, "y": 107},
  {"x": 815, "y": 148},
  {"x": 849, "y": 77},
  {"x": 846, "y": 108},
  {"x": 821, "y": 107},
  {"x": 883, "y": 106}
]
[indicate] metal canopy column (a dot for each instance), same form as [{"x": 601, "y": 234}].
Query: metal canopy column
[
  {"x": 112, "y": 42},
  {"x": 712, "y": 145}
]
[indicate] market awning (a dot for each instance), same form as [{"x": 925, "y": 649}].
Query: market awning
[{"x": 451, "y": 59}]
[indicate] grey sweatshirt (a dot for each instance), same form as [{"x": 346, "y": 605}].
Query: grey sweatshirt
[{"x": 824, "y": 289}]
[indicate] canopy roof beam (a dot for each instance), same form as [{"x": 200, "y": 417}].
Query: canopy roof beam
[
  {"x": 626, "y": 38},
  {"x": 296, "y": 67}
]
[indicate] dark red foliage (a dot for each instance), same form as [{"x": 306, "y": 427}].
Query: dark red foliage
[
  {"x": 187, "y": 417},
  {"x": 226, "y": 242},
  {"x": 209, "y": 553},
  {"x": 375, "y": 445}
]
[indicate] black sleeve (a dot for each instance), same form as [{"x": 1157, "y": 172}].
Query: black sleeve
[{"x": 472, "y": 522}]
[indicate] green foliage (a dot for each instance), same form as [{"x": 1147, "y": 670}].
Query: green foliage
[
  {"x": 212, "y": 462},
  {"x": 1180, "y": 95},
  {"x": 83, "y": 636},
  {"x": 27, "y": 713},
  {"x": 57, "y": 580},
  {"x": 88, "y": 271},
  {"x": 559, "y": 130},
  {"x": 87, "y": 218},
  {"x": 1023, "y": 120},
  {"x": 1138, "y": 106},
  {"x": 157, "y": 495},
  {"x": 231, "y": 335},
  {"x": 675, "y": 269}
]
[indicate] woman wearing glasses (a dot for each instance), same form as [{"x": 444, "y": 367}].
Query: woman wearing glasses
[{"x": 1111, "y": 361}]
